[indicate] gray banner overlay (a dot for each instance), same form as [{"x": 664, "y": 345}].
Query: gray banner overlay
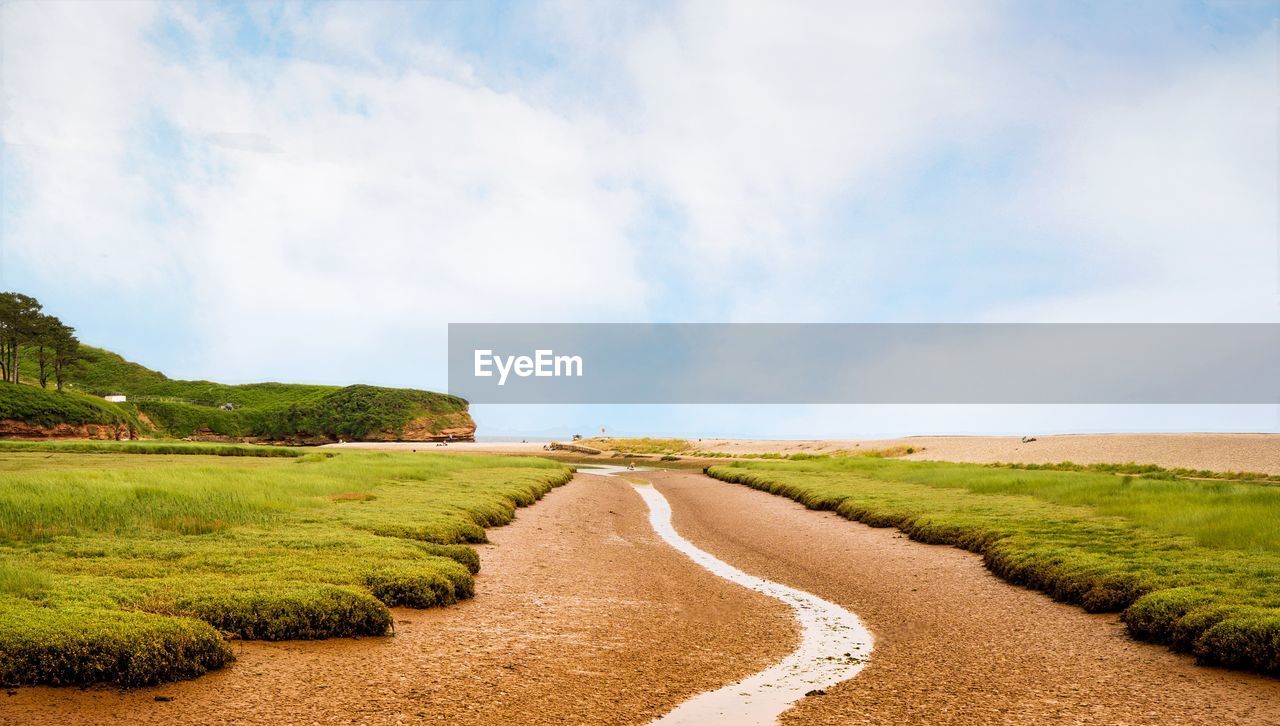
[{"x": 865, "y": 363}]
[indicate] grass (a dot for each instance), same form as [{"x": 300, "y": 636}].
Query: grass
[
  {"x": 151, "y": 447},
  {"x": 354, "y": 412},
  {"x": 48, "y": 407},
  {"x": 135, "y": 570},
  {"x": 639, "y": 445},
  {"x": 270, "y": 411},
  {"x": 1151, "y": 471},
  {"x": 1192, "y": 564}
]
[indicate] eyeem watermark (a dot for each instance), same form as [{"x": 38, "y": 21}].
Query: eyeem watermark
[
  {"x": 542, "y": 364},
  {"x": 997, "y": 363}
]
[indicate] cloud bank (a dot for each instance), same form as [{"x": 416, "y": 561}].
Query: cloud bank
[{"x": 312, "y": 192}]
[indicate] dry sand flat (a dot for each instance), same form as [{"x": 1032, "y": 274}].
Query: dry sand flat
[
  {"x": 954, "y": 644},
  {"x": 1217, "y": 452},
  {"x": 582, "y": 615}
]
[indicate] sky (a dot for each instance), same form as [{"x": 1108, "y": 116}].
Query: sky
[{"x": 311, "y": 192}]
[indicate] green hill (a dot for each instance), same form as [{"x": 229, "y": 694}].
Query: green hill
[
  {"x": 273, "y": 412},
  {"x": 31, "y": 411}
]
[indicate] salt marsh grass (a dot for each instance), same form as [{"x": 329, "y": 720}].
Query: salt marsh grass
[{"x": 135, "y": 569}]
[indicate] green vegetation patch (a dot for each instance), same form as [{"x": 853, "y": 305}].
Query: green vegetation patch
[
  {"x": 272, "y": 411},
  {"x": 136, "y": 569},
  {"x": 640, "y": 445},
  {"x": 149, "y": 447},
  {"x": 1150, "y": 471},
  {"x": 73, "y": 646},
  {"x": 354, "y": 412},
  {"x": 1192, "y": 564},
  {"x": 48, "y": 407}
]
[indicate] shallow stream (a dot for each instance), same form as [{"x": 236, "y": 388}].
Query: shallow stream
[{"x": 834, "y": 644}]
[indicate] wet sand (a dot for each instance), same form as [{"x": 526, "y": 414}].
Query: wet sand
[
  {"x": 834, "y": 644},
  {"x": 953, "y": 643}
]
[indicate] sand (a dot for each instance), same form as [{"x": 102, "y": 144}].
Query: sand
[
  {"x": 953, "y": 643},
  {"x": 1258, "y": 453}
]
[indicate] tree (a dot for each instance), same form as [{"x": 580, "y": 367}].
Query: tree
[
  {"x": 23, "y": 325},
  {"x": 43, "y": 331},
  {"x": 49, "y": 333},
  {"x": 66, "y": 351},
  {"x": 19, "y": 321},
  {"x": 8, "y": 314}
]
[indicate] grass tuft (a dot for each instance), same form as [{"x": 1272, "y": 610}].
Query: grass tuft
[
  {"x": 80, "y": 646},
  {"x": 302, "y": 613},
  {"x": 411, "y": 587}
]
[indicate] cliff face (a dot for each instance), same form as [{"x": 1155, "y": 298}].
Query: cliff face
[
  {"x": 454, "y": 426},
  {"x": 431, "y": 427},
  {"x": 15, "y": 429}
]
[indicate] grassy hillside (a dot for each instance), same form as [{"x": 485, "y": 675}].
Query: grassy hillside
[
  {"x": 48, "y": 408},
  {"x": 136, "y": 569},
  {"x": 1194, "y": 564},
  {"x": 267, "y": 411}
]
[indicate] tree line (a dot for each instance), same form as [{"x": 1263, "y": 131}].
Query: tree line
[{"x": 25, "y": 330}]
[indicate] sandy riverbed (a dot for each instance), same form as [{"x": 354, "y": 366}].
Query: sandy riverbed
[{"x": 953, "y": 643}]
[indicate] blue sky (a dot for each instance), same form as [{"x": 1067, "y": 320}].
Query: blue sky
[{"x": 311, "y": 192}]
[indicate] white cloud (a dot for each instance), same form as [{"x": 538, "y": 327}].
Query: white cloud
[
  {"x": 1170, "y": 188},
  {"x": 359, "y": 193},
  {"x": 391, "y": 201},
  {"x": 758, "y": 119},
  {"x": 73, "y": 90}
]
